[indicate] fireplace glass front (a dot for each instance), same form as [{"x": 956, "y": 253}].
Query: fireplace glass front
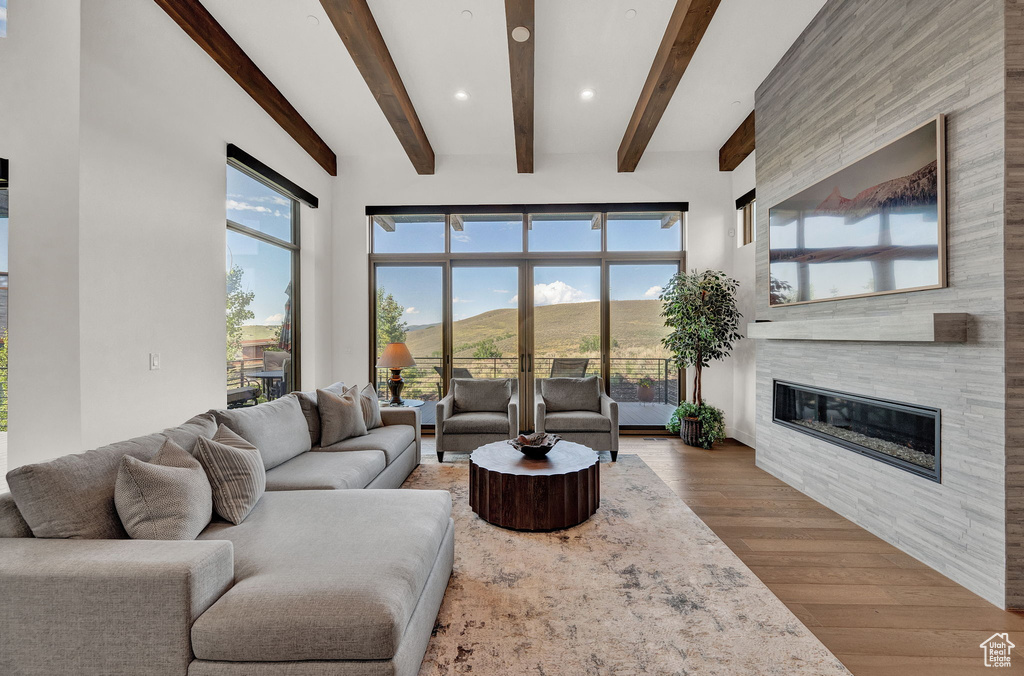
[{"x": 903, "y": 435}]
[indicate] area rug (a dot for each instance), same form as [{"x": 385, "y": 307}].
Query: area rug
[{"x": 642, "y": 587}]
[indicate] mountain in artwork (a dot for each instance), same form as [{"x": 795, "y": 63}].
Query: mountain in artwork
[{"x": 919, "y": 189}]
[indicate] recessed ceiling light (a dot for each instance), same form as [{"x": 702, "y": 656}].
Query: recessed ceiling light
[
  {"x": 630, "y": 13},
  {"x": 313, "y": 21},
  {"x": 587, "y": 94},
  {"x": 520, "y": 33},
  {"x": 466, "y": 14},
  {"x": 462, "y": 95}
]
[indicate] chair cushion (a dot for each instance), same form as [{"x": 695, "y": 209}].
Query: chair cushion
[
  {"x": 73, "y": 496},
  {"x": 167, "y": 498},
  {"x": 323, "y": 575},
  {"x": 392, "y": 439},
  {"x": 341, "y": 417},
  {"x": 236, "y": 473},
  {"x": 308, "y": 403},
  {"x": 481, "y": 394},
  {"x": 576, "y": 421},
  {"x": 479, "y": 422},
  {"x": 571, "y": 394},
  {"x": 278, "y": 428},
  {"x": 327, "y": 471}
]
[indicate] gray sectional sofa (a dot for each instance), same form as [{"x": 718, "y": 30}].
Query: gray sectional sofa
[{"x": 316, "y": 581}]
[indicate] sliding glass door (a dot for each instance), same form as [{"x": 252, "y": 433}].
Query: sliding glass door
[{"x": 534, "y": 294}]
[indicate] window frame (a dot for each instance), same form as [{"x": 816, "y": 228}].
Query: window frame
[
  {"x": 292, "y": 247},
  {"x": 747, "y": 215}
]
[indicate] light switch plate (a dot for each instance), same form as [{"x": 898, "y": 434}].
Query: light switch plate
[{"x": 154, "y": 361}]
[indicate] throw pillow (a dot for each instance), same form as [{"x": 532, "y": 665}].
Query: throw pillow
[
  {"x": 307, "y": 400},
  {"x": 371, "y": 407},
  {"x": 235, "y": 470},
  {"x": 278, "y": 428},
  {"x": 167, "y": 498},
  {"x": 485, "y": 394},
  {"x": 340, "y": 417},
  {"x": 571, "y": 394}
]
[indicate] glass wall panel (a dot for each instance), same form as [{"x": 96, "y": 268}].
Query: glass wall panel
[
  {"x": 645, "y": 231},
  {"x": 642, "y": 378},
  {"x": 409, "y": 309},
  {"x": 3, "y": 321},
  {"x": 257, "y": 206},
  {"x": 490, "y": 233},
  {"x": 408, "y": 234},
  {"x": 259, "y": 319},
  {"x": 485, "y": 321},
  {"x": 566, "y": 321},
  {"x": 565, "y": 232}
]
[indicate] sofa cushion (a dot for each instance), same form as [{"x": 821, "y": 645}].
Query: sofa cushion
[
  {"x": 571, "y": 394},
  {"x": 477, "y": 422},
  {"x": 340, "y": 417},
  {"x": 392, "y": 439},
  {"x": 481, "y": 394},
  {"x": 12, "y": 525},
  {"x": 576, "y": 421},
  {"x": 278, "y": 428},
  {"x": 167, "y": 498},
  {"x": 73, "y": 496},
  {"x": 307, "y": 400},
  {"x": 323, "y": 575},
  {"x": 326, "y": 471},
  {"x": 236, "y": 473}
]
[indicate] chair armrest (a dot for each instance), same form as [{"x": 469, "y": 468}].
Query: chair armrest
[
  {"x": 513, "y": 418},
  {"x": 539, "y": 410},
  {"x": 441, "y": 413},
  {"x": 610, "y": 409},
  {"x": 106, "y": 606}
]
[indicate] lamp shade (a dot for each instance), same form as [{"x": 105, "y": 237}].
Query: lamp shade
[{"x": 396, "y": 356}]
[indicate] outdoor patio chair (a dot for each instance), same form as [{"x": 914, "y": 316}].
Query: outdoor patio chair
[
  {"x": 457, "y": 372},
  {"x": 577, "y": 409},
  {"x": 569, "y": 368}
]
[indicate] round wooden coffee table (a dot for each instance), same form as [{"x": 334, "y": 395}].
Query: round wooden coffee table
[{"x": 508, "y": 489}]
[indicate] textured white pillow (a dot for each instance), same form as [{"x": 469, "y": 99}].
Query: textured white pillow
[{"x": 167, "y": 498}]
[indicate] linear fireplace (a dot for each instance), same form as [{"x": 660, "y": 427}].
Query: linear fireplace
[{"x": 902, "y": 435}]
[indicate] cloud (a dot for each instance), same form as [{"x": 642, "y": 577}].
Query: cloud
[
  {"x": 411, "y": 311},
  {"x": 234, "y": 205},
  {"x": 556, "y": 293},
  {"x": 274, "y": 319},
  {"x": 460, "y": 300},
  {"x": 652, "y": 292},
  {"x": 500, "y": 290},
  {"x": 460, "y": 237}
]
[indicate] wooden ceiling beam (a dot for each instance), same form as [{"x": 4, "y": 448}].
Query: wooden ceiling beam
[
  {"x": 521, "y": 69},
  {"x": 359, "y": 31},
  {"x": 739, "y": 146},
  {"x": 690, "y": 20},
  {"x": 200, "y": 25}
]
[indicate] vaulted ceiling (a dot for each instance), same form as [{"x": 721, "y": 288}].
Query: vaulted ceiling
[{"x": 444, "y": 46}]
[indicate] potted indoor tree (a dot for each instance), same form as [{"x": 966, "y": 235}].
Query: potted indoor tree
[{"x": 700, "y": 309}]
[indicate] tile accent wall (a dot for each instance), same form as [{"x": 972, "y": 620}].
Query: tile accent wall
[{"x": 862, "y": 74}]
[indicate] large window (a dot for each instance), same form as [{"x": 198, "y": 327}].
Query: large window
[
  {"x": 3, "y": 320},
  {"x": 529, "y": 292},
  {"x": 261, "y": 264}
]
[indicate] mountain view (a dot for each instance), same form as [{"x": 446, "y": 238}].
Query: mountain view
[{"x": 916, "y": 190}]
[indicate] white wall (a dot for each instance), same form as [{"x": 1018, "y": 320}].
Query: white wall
[
  {"x": 39, "y": 134},
  {"x": 134, "y": 263},
  {"x": 744, "y": 377},
  {"x": 691, "y": 177}
]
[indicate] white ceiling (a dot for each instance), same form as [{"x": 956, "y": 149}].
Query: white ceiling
[{"x": 580, "y": 44}]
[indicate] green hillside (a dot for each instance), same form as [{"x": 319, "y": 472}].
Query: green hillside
[
  {"x": 567, "y": 330},
  {"x": 259, "y": 331}
]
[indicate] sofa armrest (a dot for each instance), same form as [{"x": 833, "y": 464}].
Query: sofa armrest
[
  {"x": 106, "y": 606},
  {"x": 403, "y": 415}
]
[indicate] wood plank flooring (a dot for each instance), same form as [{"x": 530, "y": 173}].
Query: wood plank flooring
[{"x": 880, "y": 611}]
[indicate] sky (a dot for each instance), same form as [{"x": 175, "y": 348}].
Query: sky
[
  {"x": 476, "y": 290},
  {"x": 3, "y": 18},
  {"x": 266, "y": 269}
]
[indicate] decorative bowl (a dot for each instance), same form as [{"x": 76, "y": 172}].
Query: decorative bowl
[{"x": 536, "y": 445}]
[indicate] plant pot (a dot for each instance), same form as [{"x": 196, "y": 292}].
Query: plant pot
[
  {"x": 690, "y": 430},
  {"x": 645, "y": 394}
]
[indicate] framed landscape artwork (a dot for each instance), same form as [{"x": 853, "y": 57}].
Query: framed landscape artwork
[{"x": 876, "y": 227}]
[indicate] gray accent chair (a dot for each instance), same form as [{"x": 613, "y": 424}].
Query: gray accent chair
[
  {"x": 577, "y": 409},
  {"x": 475, "y": 412}
]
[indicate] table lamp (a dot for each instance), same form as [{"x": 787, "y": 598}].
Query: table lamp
[{"x": 396, "y": 357}]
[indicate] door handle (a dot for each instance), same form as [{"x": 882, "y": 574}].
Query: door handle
[
  {"x": 522, "y": 363},
  {"x": 529, "y": 368}
]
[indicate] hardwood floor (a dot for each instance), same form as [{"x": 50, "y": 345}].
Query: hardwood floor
[{"x": 880, "y": 611}]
